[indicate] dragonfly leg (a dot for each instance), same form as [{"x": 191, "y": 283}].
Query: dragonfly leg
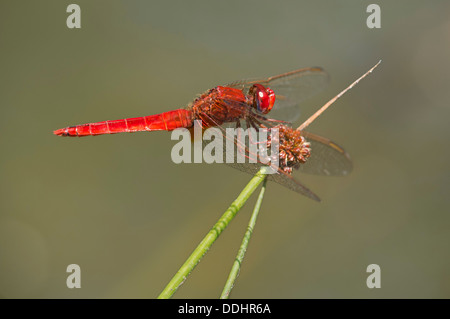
[
  {"x": 239, "y": 143},
  {"x": 257, "y": 126},
  {"x": 265, "y": 119}
]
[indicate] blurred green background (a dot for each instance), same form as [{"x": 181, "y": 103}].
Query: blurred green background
[{"x": 117, "y": 206}]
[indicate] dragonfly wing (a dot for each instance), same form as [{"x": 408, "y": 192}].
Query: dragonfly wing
[
  {"x": 280, "y": 177},
  {"x": 249, "y": 160},
  {"x": 327, "y": 157},
  {"x": 290, "y": 89}
]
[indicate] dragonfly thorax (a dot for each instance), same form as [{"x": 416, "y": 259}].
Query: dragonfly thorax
[{"x": 221, "y": 105}]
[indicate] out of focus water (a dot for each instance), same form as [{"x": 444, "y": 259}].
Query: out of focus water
[{"x": 118, "y": 207}]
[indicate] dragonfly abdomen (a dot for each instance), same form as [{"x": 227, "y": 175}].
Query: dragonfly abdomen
[{"x": 166, "y": 121}]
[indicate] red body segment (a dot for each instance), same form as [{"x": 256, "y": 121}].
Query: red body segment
[
  {"x": 220, "y": 105},
  {"x": 166, "y": 121}
]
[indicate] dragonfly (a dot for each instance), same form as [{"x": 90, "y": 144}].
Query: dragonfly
[
  {"x": 247, "y": 100},
  {"x": 250, "y": 102}
]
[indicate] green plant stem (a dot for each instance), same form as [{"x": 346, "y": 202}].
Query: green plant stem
[
  {"x": 245, "y": 241},
  {"x": 213, "y": 234}
]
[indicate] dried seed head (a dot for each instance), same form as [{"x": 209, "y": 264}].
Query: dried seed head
[{"x": 294, "y": 150}]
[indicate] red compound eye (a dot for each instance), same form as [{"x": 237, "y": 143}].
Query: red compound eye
[{"x": 263, "y": 98}]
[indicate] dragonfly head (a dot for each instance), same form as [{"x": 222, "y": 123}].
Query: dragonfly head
[{"x": 263, "y": 98}]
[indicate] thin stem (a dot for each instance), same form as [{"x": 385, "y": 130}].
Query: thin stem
[
  {"x": 213, "y": 234},
  {"x": 323, "y": 108},
  {"x": 245, "y": 241}
]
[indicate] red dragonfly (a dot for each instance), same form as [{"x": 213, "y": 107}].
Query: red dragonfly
[
  {"x": 250, "y": 101},
  {"x": 247, "y": 100}
]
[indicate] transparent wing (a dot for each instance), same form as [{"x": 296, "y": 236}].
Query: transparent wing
[
  {"x": 280, "y": 177},
  {"x": 291, "y": 89},
  {"x": 251, "y": 164},
  {"x": 327, "y": 158}
]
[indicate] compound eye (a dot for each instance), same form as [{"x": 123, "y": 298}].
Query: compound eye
[{"x": 263, "y": 98}]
